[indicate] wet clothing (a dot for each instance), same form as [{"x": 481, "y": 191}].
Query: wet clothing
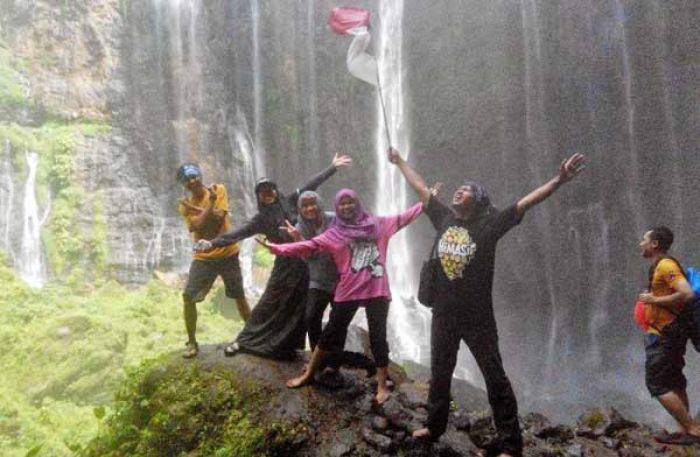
[
  {"x": 376, "y": 309},
  {"x": 276, "y": 325},
  {"x": 667, "y": 335},
  {"x": 316, "y": 302},
  {"x": 209, "y": 231},
  {"x": 204, "y": 272},
  {"x": 360, "y": 262},
  {"x": 664, "y": 277},
  {"x": 463, "y": 311},
  {"x": 665, "y": 354},
  {"x": 481, "y": 337}
]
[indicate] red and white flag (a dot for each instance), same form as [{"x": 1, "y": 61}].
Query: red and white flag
[{"x": 350, "y": 20}]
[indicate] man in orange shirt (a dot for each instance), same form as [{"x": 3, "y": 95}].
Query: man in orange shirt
[
  {"x": 206, "y": 214},
  {"x": 667, "y": 335}
]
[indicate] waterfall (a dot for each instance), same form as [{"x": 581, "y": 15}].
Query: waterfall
[
  {"x": 242, "y": 148},
  {"x": 180, "y": 18},
  {"x": 257, "y": 89},
  {"x": 30, "y": 264},
  {"x": 407, "y": 318},
  {"x": 7, "y": 195}
]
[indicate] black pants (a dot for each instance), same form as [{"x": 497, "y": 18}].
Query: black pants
[
  {"x": 481, "y": 336},
  {"x": 316, "y": 302},
  {"x": 377, "y": 310}
]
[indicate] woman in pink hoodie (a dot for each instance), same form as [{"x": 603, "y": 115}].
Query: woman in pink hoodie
[{"x": 357, "y": 241}]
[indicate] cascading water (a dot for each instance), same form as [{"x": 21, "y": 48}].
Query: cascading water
[
  {"x": 242, "y": 149},
  {"x": 7, "y": 195},
  {"x": 407, "y": 318},
  {"x": 30, "y": 264},
  {"x": 257, "y": 88}
]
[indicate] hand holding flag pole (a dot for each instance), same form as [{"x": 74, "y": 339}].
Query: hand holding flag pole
[{"x": 355, "y": 21}]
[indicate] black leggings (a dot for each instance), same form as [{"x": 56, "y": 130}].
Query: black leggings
[
  {"x": 377, "y": 310},
  {"x": 481, "y": 336}
]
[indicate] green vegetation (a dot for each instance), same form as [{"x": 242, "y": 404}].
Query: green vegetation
[
  {"x": 262, "y": 257},
  {"x": 71, "y": 249},
  {"x": 11, "y": 91},
  {"x": 65, "y": 349},
  {"x": 168, "y": 409}
]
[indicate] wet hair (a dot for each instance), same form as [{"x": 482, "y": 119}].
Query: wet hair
[
  {"x": 186, "y": 171},
  {"x": 662, "y": 235}
]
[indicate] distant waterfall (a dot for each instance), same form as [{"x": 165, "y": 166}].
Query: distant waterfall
[{"x": 30, "y": 261}]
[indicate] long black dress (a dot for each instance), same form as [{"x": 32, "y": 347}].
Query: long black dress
[{"x": 276, "y": 325}]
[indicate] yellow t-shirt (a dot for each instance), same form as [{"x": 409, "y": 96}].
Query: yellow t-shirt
[
  {"x": 189, "y": 215},
  {"x": 663, "y": 283}
]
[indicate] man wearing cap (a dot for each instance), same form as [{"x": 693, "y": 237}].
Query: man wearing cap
[{"x": 205, "y": 211}]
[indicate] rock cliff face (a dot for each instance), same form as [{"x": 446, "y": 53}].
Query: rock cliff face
[{"x": 113, "y": 95}]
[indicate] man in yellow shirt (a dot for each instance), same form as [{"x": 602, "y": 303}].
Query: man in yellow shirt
[
  {"x": 667, "y": 336},
  {"x": 206, "y": 214}
]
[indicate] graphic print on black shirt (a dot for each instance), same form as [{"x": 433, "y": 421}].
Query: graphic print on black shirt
[
  {"x": 455, "y": 250},
  {"x": 365, "y": 254}
]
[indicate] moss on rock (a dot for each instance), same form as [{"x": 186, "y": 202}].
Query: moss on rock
[{"x": 169, "y": 408}]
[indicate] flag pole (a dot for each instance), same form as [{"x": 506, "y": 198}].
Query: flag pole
[{"x": 381, "y": 101}]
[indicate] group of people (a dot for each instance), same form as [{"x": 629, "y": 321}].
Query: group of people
[{"x": 338, "y": 259}]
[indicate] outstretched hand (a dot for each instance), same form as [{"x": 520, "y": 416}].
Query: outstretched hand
[
  {"x": 341, "y": 160},
  {"x": 571, "y": 167},
  {"x": 393, "y": 156},
  {"x": 292, "y": 231}
]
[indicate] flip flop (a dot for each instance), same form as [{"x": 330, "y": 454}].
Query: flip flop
[{"x": 679, "y": 439}]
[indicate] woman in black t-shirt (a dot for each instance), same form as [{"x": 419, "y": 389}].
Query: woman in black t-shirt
[{"x": 467, "y": 234}]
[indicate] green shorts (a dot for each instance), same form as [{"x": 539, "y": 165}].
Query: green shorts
[{"x": 204, "y": 272}]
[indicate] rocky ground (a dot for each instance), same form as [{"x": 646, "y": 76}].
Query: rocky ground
[{"x": 336, "y": 417}]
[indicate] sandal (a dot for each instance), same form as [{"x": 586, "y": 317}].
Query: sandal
[
  {"x": 680, "y": 439},
  {"x": 191, "y": 351},
  {"x": 231, "y": 349}
]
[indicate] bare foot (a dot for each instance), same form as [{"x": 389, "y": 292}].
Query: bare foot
[
  {"x": 383, "y": 394},
  {"x": 299, "y": 381},
  {"x": 421, "y": 434}
]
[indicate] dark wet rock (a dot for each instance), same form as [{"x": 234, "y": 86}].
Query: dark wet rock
[
  {"x": 461, "y": 421},
  {"x": 396, "y": 414},
  {"x": 378, "y": 441},
  {"x": 379, "y": 423},
  {"x": 343, "y": 444},
  {"x": 456, "y": 443},
  {"x": 598, "y": 422},
  {"x": 413, "y": 395},
  {"x": 575, "y": 450},
  {"x": 542, "y": 427},
  {"x": 481, "y": 430},
  {"x": 541, "y": 451},
  {"x": 610, "y": 443}
]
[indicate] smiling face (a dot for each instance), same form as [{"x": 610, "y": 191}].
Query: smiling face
[
  {"x": 194, "y": 185},
  {"x": 347, "y": 208},
  {"x": 309, "y": 209},
  {"x": 267, "y": 195},
  {"x": 463, "y": 198}
]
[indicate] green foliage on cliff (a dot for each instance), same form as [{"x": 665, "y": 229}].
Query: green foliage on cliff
[
  {"x": 11, "y": 91},
  {"x": 65, "y": 349},
  {"x": 167, "y": 408}
]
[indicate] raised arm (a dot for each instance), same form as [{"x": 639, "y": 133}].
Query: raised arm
[
  {"x": 247, "y": 230},
  {"x": 568, "y": 169},
  {"x": 414, "y": 179},
  {"x": 313, "y": 183}
]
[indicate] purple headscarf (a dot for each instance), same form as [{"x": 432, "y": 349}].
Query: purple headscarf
[{"x": 363, "y": 226}]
